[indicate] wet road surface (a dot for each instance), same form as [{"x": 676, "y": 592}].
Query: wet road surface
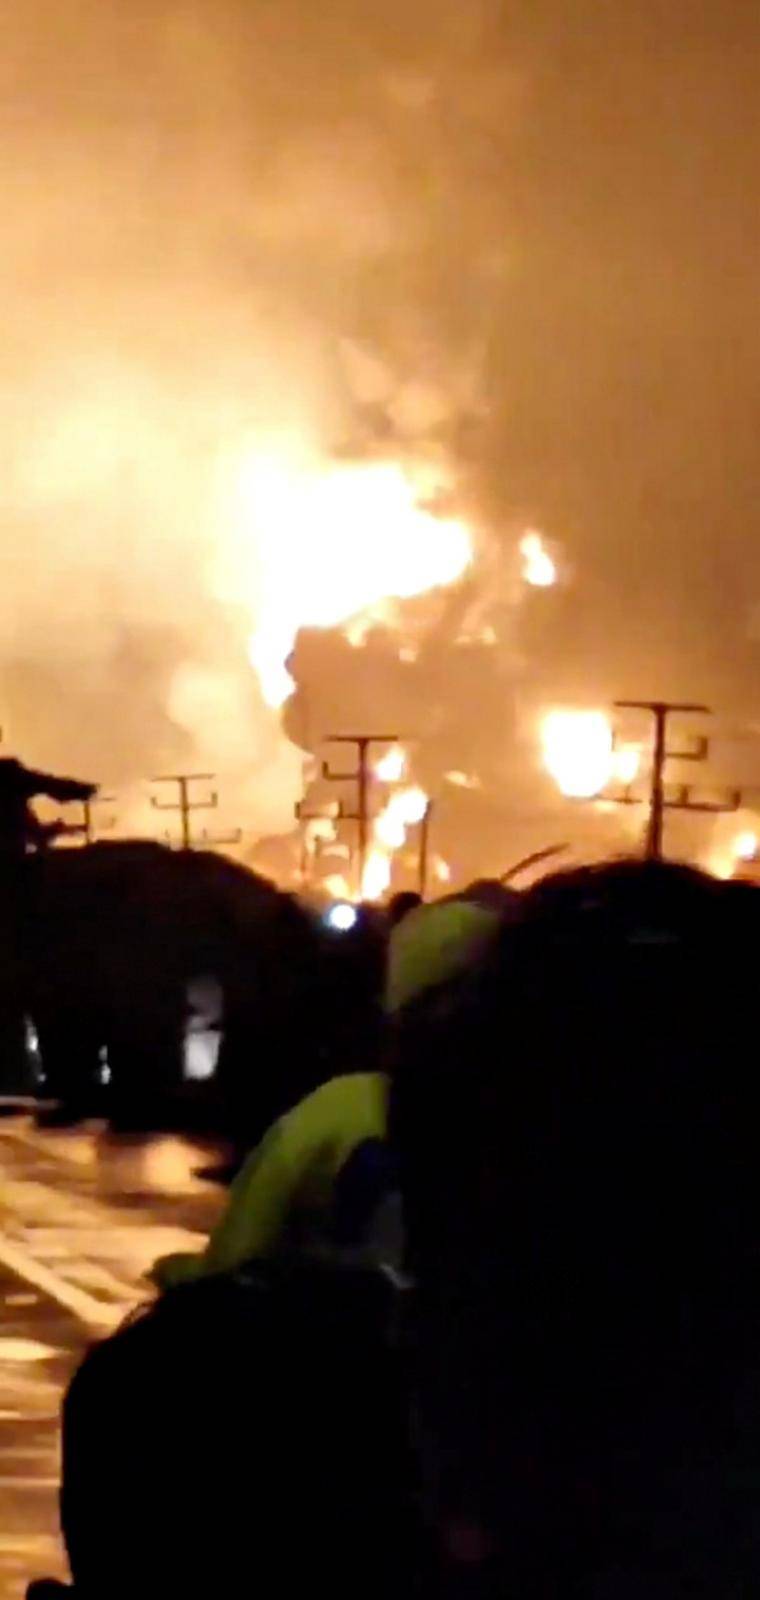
[{"x": 82, "y": 1216}]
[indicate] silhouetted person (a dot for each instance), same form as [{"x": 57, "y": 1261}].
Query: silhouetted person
[
  {"x": 21, "y": 831},
  {"x": 576, "y": 1122}
]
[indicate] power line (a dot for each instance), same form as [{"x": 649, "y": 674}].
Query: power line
[{"x": 424, "y": 848}]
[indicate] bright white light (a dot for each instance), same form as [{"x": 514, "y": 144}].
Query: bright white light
[
  {"x": 342, "y": 917},
  {"x": 745, "y": 846},
  {"x": 201, "y": 1054}
]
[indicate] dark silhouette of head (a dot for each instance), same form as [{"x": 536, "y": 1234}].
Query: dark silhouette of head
[
  {"x": 576, "y": 1124},
  {"x": 401, "y": 904}
]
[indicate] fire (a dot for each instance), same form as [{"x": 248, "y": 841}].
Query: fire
[
  {"x": 390, "y": 829},
  {"x": 734, "y": 849},
  {"x": 578, "y": 751},
  {"x": 411, "y": 805},
  {"x": 319, "y": 830},
  {"x": 462, "y": 780},
  {"x": 325, "y": 542},
  {"x": 356, "y": 631},
  {"x": 404, "y": 809},
  {"x": 337, "y": 886},
  {"x": 377, "y": 875},
  {"x": 745, "y": 846},
  {"x": 538, "y": 568},
  {"x": 392, "y": 766},
  {"x": 626, "y": 764},
  {"x": 441, "y": 870}
]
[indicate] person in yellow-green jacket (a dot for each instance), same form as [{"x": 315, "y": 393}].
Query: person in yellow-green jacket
[
  {"x": 285, "y": 1189},
  {"x": 284, "y": 1196}
]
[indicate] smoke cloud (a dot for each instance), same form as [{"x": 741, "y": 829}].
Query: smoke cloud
[{"x": 518, "y": 236}]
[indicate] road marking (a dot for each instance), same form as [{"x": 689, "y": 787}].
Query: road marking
[
  {"x": 88, "y": 1255},
  {"x": 93, "y": 1313},
  {"x": 25, "y": 1350},
  {"x": 29, "y": 1483},
  {"x": 49, "y": 1144}
]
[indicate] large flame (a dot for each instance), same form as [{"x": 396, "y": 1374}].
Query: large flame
[
  {"x": 327, "y": 540},
  {"x": 578, "y": 751},
  {"x": 404, "y": 810},
  {"x": 376, "y": 877}
]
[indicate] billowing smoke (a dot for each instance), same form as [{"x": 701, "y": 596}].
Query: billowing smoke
[
  {"x": 220, "y": 225},
  {"x": 515, "y": 239}
]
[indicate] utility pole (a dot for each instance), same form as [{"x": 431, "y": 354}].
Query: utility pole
[
  {"x": 185, "y": 805},
  {"x": 361, "y": 777},
  {"x": 89, "y": 825},
  {"x": 85, "y": 830},
  {"x": 659, "y": 800},
  {"x": 333, "y": 814},
  {"x": 425, "y": 848}
]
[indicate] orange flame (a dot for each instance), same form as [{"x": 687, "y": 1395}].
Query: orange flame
[
  {"x": 578, "y": 751},
  {"x": 377, "y": 874},
  {"x": 392, "y": 766},
  {"x": 745, "y": 845},
  {"x": 325, "y": 542},
  {"x": 538, "y": 568},
  {"x": 404, "y": 809},
  {"x": 626, "y": 764}
]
